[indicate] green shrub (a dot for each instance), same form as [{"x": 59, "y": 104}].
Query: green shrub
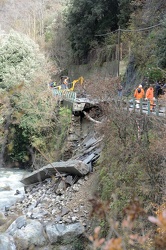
[{"x": 154, "y": 74}]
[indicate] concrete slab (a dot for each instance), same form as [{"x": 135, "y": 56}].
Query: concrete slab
[
  {"x": 89, "y": 158},
  {"x": 73, "y": 167},
  {"x": 90, "y": 142}
]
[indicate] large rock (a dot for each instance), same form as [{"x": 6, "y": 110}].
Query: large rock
[
  {"x": 17, "y": 224},
  {"x": 63, "y": 247},
  {"x": 7, "y": 242},
  {"x": 74, "y": 167},
  {"x": 64, "y": 234},
  {"x": 27, "y": 233}
]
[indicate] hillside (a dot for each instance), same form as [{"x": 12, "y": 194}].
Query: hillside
[{"x": 108, "y": 43}]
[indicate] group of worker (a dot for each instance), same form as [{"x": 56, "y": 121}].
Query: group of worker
[
  {"x": 149, "y": 95},
  {"x": 63, "y": 85}
]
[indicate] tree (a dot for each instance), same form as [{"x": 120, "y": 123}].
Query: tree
[
  {"x": 153, "y": 11},
  {"x": 20, "y": 59},
  {"x": 29, "y": 17},
  {"x": 124, "y": 12},
  {"x": 161, "y": 46},
  {"x": 59, "y": 48},
  {"x": 29, "y": 118},
  {"x": 86, "y": 19}
]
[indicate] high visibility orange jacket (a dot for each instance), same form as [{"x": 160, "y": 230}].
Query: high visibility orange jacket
[
  {"x": 150, "y": 93},
  {"x": 139, "y": 95}
]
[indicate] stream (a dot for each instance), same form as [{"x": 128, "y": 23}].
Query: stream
[{"x": 9, "y": 183}]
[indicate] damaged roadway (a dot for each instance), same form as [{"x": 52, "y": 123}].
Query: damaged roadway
[
  {"x": 73, "y": 167},
  {"x": 80, "y": 166}
]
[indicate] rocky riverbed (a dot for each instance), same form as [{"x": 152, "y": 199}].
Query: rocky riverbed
[
  {"x": 55, "y": 207},
  {"x": 53, "y": 200}
]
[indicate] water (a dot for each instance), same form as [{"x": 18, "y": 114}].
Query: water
[{"x": 9, "y": 183}]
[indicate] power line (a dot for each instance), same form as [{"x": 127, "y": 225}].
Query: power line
[
  {"x": 119, "y": 30},
  {"x": 107, "y": 33},
  {"x": 142, "y": 29},
  {"x": 137, "y": 30}
]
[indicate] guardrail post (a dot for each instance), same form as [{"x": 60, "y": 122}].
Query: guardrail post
[
  {"x": 141, "y": 106},
  {"x": 148, "y": 104},
  {"x": 134, "y": 104},
  {"x": 128, "y": 105},
  {"x": 157, "y": 108}
]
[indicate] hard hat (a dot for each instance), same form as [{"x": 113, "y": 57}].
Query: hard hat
[{"x": 140, "y": 86}]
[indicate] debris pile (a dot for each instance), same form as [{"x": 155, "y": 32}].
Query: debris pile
[
  {"x": 55, "y": 192},
  {"x": 52, "y": 200}
]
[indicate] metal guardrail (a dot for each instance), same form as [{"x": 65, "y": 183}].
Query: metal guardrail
[
  {"x": 65, "y": 94},
  {"x": 141, "y": 106},
  {"x": 144, "y": 106}
]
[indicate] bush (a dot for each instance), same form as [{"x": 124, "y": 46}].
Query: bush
[
  {"x": 161, "y": 46},
  {"x": 154, "y": 74},
  {"x": 130, "y": 164},
  {"x": 19, "y": 61}
]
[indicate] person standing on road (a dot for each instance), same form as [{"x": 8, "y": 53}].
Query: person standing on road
[
  {"x": 150, "y": 96},
  {"x": 157, "y": 89},
  {"x": 139, "y": 92},
  {"x": 64, "y": 84}
]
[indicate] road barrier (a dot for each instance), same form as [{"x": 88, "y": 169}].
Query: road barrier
[
  {"x": 142, "y": 106},
  {"x": 65, "y": 94},
  {"x": 145, "y": 106}
]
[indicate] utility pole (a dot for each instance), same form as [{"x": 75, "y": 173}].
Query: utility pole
[{"x": 118, "y": 51}]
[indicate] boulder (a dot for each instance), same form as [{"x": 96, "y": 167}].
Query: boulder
[
  {"x": 17, "y": 224},
  {"x": 27, "y": 233},
  {"x": 64, "y": 234},
  {"x": 7, "y": 242}
]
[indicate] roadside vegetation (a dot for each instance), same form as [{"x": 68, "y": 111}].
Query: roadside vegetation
[
  {"x": 131, "y": 178},
  {"x": 133, "y": 162},
  {"x": 31, "y": 119}
]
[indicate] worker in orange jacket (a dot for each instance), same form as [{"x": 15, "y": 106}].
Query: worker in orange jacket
[
  {"x": 150, "y": 96},
  {"x": 139, "y": 92}
]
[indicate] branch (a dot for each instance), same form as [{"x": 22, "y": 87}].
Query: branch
[
  {"x": 50, "y": 163},
  {"x": 90, "y": 118}
]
